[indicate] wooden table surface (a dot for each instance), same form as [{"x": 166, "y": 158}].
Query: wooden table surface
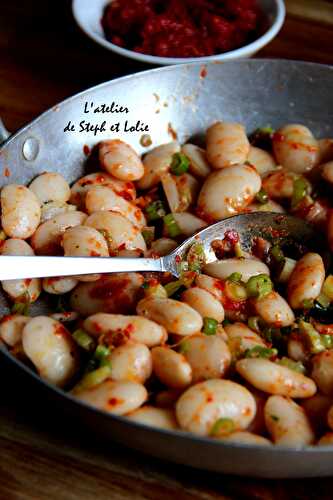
[{"x": 44, "y": 58}]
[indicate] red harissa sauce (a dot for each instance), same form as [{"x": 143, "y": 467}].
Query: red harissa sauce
[{"x": 182, "y": 28}]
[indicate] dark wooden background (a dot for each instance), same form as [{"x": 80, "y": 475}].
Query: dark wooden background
[{"x": 44, "y": 58}]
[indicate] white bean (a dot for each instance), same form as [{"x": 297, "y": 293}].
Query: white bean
[
  {"x": 200, "y": 406},
  {"x": 156, "y": 162},
  {"x": 163, "y": 418},
  {"x": 327, "y": 172},
  {"x": 228, "y": 191},
  {"x": 20, "y": 211},
  {"x": 244, "y": 337},
  {"x": 54, "y": 208},
  {"x": 50, "y": 186},
  {"x": 280, "y": 184},
  {"x": 189, "y": 223},
  {"x": 227, "y": 144},
  {"x": 245, "y": 437},
  {"x": 199, "y": 166},
  {"x": 116, "y": 293},
  {"x": 11, "y": 328},
  {"x": 325, "y": 150},
  {"x": 316, "y": 409},
  {"x": 295, "y": 148},
  {"x": 326, "y": 439},
  {"x": 180, "y": 191},
  {"x": 80, "y": 188},
  {"x": 121, "y": 232},
  {"x": 47, "y": 238},
  {"x": 209, "y": 356},
  {"x": 204, "y": 302},
  {"x": 60, "y": 285},
  {"x": 162, "y": 246},
  {"x": 20, "y": 289},
  {"x": 273, "y": 378},
  {"x": 134, "y": 328},
  {"x": 120, "y": 160},
  {"x": 322, "y": 371},
  {"x": 84, "y": 241},
  {"x": 175, "y": 316},
  {"x": 51, "y": 349},
  {"x": 262, "y": 160},
  {"x": 171, "y": 367},
  {"x": 104, "y": 198},
  {"x": 306, "y": 280},
  {"x": 222, "y": 269},
  {"x": 131, "y": 361},
  {"x": 274, "y": 310},
  {"x": 270, "y": 206},
  {"x": 296, "y": 350},
  {"x": 118, "y": 398},
  {"x": 212, "y": 285},
  {"x": 287, "y": 422}
]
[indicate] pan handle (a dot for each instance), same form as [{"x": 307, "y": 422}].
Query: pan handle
[{"x": 4, "y": 134}]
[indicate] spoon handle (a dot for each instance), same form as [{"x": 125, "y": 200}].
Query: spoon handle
[{"x": 22, "y": 267}]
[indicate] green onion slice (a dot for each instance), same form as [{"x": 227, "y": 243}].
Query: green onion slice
[
  {"x": 222, "y": 427},
  {"x": 296, "y": 366},
  {"x": 259, "y": 286},
  {"x": 155, "y": 211},
  {"x": 301, "y": 189},
  {"x": 259, "y": 351},
  {"x": 235, "y": 277},
  {"x": 179, "y": 164},
  {"x": 93, "y": 378},
  {"x": 83, "y": 340},
  {"x": 311, "y": 337},
  {"x": 173, "y": 287},
  {"x": 209, "y": 326},
  {"x": 171, "y": 226},
  {"x": 262, "y": 197}
]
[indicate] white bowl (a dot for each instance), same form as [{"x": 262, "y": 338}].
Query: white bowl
[{"x": 88, "y": 14}]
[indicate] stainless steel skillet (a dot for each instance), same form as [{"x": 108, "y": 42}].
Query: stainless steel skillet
[{"x": 185, "y": 99}]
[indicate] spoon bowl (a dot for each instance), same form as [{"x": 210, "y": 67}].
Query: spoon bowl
[{"x": 267, "y": 225}]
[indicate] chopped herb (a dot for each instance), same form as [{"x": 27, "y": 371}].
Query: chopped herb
[
  {"x": 311, "y": 336},
  {"x": 155, "y": 211},
  {"x": 209, "y": 326},
  {"x": 235, "y": 277},
  {"x": 226, "y": 322},
  {"x": 179, "y": 164},
  {"x": 327, "y": 341},
  {"x": 173, "y": 287},
  {"x": 277, "y": 253},
  {"x": 255, "y": 323},
  {"x": 154, "y": 289},
  {"x": 21, "y": 308},
  {"x": 260, "y": 352},
  {"x": 235, "y": 291},
  {"x": 297, "y": 366},
  {"x": 148, "y": 235},
  {"x": 238, "y": 250},
  {"x": 301, "y": 189},
  {"x": 262, "y": 197},
  {"x": 83, "y": 340},
  {"x": 171, "y": 226},
  {"x": 196, "y": 257},
  {"x": 222, "y": 427},
  {"x": 259, "y": 286},
  {"x": 323, "y": 300},
  {"x": 101, "y": 352},
  {"x": 307, "y": 304},
  {"x": 184, "y": 347},
  {"x": 93, "y": 378}
]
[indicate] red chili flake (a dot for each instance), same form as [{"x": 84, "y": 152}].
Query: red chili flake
[
  {"x": 86, "y": 149},
  {"x": 113, "y": 401},
  {"x": 172, "y": 132},
  {"x": 203, "y": 72},
  {"x": 277, "y": 137},
  {"x": 178, "y": 259},
  {"x": 61, "y": 331},
  {"x": 122, "y": 247},
  {"x": 6, "y": 172},
  {"x": 94, "y": 254},
  {"x": 231, "y": 236},
  {"x": 129, "y": 329},
  {"x": 27, "y": 281},
  {"x": 209, "y": 398}
]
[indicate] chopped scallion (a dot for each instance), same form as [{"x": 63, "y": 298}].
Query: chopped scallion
[
  {"x": 277, "y": 253},
  {"x": 173, "y": 287},
  {"x": 327, "y": 341},
  {"x": 259, "y": 286},
  {"x": 83, "y": 340},
  {"x": 259, "y": 351},
  {"x": 235, "y": 291},
  {"x": 323, "y": 300},
  {"x": 262, "y": 197},
  {"x": 21, "y": 308},
  {"x": 301, "y": 189},
  {"x": 171, "y": 226},
  {"x": 222, "y": 427},
  {"x": 255, "y": 323},
  {"x": 93, "y": 378},
  {"x": 311, "y": 336},
  {"x": 297, "y": 366},
  {"x": 179, "y": 164},
  {"x": 238, "y": 250},
  {"x": 307, "y": 304},
  {"x": 148, "y": 235},
  {"x": 155, "y": 211},
  {"x": 209, "y": 326},
  {"x": 235, "y": 277}
]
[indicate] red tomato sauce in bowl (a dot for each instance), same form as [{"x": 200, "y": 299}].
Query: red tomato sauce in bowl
[{"x": 182, "y": 28}]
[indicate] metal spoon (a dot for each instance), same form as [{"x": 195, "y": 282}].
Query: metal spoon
[{"x": 265, "y": 224}]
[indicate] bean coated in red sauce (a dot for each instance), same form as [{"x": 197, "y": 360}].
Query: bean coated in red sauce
[{"x": 182, "y": 28}]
